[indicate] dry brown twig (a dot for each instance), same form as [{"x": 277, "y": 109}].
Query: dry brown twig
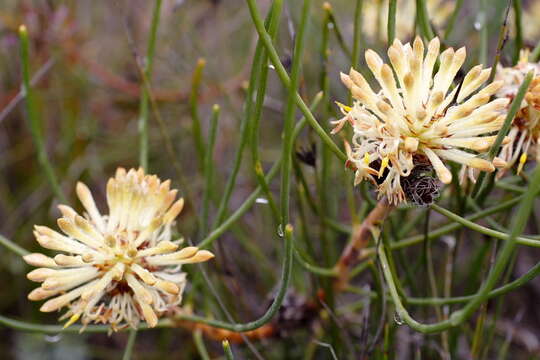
[{"x": 359, "y": 240}]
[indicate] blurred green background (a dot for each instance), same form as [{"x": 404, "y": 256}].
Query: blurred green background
[{"x": 85, "y": 56}]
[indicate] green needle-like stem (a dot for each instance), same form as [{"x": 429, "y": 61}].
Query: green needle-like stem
[
  {"x": 209, "y": 169},
  {"x": 288, "y": 128},
  {"x": 456, "y": 318},
  {"x": 147, "y": 68},
  {"x": 494, "y": 150},
  {"x": 33, "y": 118},
  {"x": 391, "y": 26},
  {"x": 276, "y": 303},
  {"x": 128, "y": 351},
  {"x": 285, "y": 80},
  {"x": 194, "y": 109}
]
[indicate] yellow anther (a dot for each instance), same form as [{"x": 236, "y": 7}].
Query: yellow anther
[
  {"x": 343, "y": 107},
  {"x": 110, "y": 241},
  {"x": 522, "y": 160},
  {"x": 366, "y": 159},
  {"x": 72, "y": 319},
  {"x": 384, "y": 165}
]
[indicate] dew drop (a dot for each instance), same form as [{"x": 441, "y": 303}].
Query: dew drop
[
  {"x": 280, "y": 230},
  {"x": 330, "y": 25},
  {"x": 479, "y": 21},
  {"x": 53, "y": 338},
  {"x": 398, "y": 319},
  {"x": 261, "y": 200},
  {"x": 271, "y": 66}
]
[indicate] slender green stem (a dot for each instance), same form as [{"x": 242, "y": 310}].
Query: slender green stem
[
  {"x": 499, "y": 305},
  {"x": 431, "y": 301},
  {"x": 331, "y": 223},
  {"x": 524, "y": 279},
  {"x": 535, "y": 54},
  {"x": 285, "y": 80},
  {"x": 443, "y": 230},
  {"x": 484, "y": 32},
  {"x": 432, "y": 276},
  {"x": 337, "y": 30},
  {"x": 168, "y": 144},
  {"x": 482, "y": 229},
  {"x": 272, "y": 22},
  {"x": 244, "y": 124},
  {"x": 261, "y": 179},
  {"x": 305, "y": 188},
  {"x": 128, "y": 351},
  {"x": 488, "y": 219},
  {"x": 288, "y": 128},
  {"x": 227, "y": 349},
  {"x": 56, "y": 329},
  {"x": 400, "y": 309},
  {"x": 503, "y": 33},
  {"x": 289, "y": 132},
  {"x": 194, "y": 109},
  {"x": 313, "y": 268},
  {"x": 33, "y": 118},
  {"x": 209, "y": 169},
  {"x": 493, "y": 151},
  {"x": 391, "y": 26},
  {"x": 502, "y": 353},
  {"x": 360, "y": 268},
  {"x": 276, "y": 304},
  {"x": 518, "y": 225},
  {"x": 510, "y": 187},
  {"x": 456, "y": 318},
  {"x": 147, "y": 69},
  {"x": 246, "y": 205},
  {"x": 453, "y": 18},
  {"x": 519, "y": 28},
  {"x": 259, "y": 170},
  {"x": 409, "y": 225},
  {"x": 379, "y": 286},
  {"x": 199, "y": 344},
  {"x": 322, "y": 179},
  {"x": 11, "y": 246},
  {"x": 423, "y": 20},
  {"x": 304, "y": 228},
  {"x": 357, "y": 35}
]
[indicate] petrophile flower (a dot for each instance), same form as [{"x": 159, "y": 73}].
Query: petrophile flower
[
  {"x": 524, "y": 135},
  {"x": 419, "y": 119},
  {"x": 375, "y": 16},
  {"x": 120, "y": 268}
]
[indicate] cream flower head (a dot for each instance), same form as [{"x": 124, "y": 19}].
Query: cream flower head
[
  {"x": 524, "y": 135},
  {"x": 375, "y": 16},
  {"x": 419, "y": 119},
  {"x": 120, "y": 268}
]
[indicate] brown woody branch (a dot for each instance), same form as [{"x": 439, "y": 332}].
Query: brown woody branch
[{"x": 359, "y": 240}]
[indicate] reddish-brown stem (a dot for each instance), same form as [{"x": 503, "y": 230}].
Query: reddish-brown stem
[{"x": 359, "y": 240}]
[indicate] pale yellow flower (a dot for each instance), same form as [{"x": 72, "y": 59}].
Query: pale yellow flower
[
  {"x": 375, "y": 17},
  {"x": 120, "y": 268},
  {"x": 524, "y": 135},
  {"x": 420, "y": 119}
]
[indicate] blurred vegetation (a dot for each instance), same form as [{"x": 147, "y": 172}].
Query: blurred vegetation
[{"x": 87, "y": 59}]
